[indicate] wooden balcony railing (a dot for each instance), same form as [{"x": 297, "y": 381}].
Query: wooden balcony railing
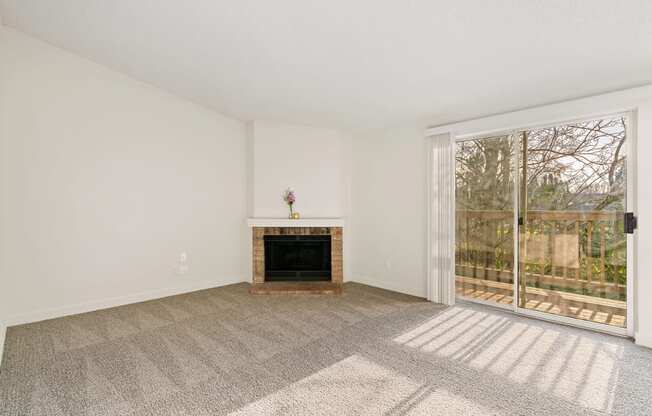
[
  {"x": 573, "y": 262},
  {"x": 577, "y": 255}
]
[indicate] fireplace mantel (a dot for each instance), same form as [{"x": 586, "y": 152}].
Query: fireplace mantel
[{"x": 303, "y": 222}]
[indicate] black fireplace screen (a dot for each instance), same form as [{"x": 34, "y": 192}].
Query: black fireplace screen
[{"x": 297, "y": 257}]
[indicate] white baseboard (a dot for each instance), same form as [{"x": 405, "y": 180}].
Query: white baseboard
[
  {"x": 642, "y": 340},
  {"x": 90, "y": 306},
  {"x": 386, "y": 286}
]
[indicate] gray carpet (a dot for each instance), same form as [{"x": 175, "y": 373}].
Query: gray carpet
[{"x": 367, "y": 352}]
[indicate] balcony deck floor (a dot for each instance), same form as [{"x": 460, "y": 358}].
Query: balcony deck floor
[{"x": 588, "y": 308}]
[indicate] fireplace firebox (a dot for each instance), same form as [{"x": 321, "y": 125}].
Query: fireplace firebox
[{"x": 297, "y": 257}]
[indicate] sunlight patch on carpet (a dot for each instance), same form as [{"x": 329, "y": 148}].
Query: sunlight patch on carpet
[
  {"x": 573, "y": 366},
  {"x": 359, "y": 386}
]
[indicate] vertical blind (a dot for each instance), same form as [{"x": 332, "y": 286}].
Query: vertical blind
[{"x": 441, "y": 255}]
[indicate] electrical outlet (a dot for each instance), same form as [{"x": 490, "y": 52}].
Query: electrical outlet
[{"x": 182, "y": 266}]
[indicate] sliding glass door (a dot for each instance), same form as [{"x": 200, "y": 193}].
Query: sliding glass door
[
  {"x": 563, "y": 189},
  {"x": 484, "y": 198},
  {"x": 573, "y": 249}
]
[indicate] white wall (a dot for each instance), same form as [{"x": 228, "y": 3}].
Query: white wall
[
  {"x": 315, "y": 162},
  {"x": 643, "y": 288},
  {"x": 389, "y": 210},
  {"x": 108, "y": 181},
  {"x": 3, "y": 205}
]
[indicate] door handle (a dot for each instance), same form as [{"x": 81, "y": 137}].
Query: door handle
[{"x": 631, "y": 223}]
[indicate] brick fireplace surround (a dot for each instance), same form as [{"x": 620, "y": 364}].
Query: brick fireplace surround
[{"x": 259, "y": 286}]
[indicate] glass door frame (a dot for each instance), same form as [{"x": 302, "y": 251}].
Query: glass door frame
[{"x": 630, "y": 146}]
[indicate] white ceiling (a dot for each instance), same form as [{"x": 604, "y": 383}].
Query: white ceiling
[{"x": 357, "y": 63}]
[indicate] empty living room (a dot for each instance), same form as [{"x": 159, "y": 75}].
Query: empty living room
[{"x": 320, "y": 207}]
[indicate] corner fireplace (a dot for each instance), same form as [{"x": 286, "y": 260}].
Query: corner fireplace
[{"x": 297, "y": 258}]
